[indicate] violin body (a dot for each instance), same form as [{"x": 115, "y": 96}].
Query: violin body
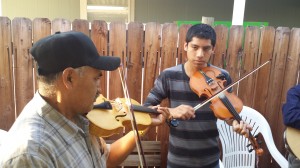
[
  {"x": 221, "y": 111},
  {"x": 208, "y": 82},
  {"x": 107, "y": 122}
]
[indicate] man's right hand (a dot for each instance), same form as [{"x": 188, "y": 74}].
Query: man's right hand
[{"x": 184, "y": 112}]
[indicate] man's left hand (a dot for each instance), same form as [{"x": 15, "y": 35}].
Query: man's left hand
[
  {"x": 241, "y": 128},
  {"x": 161, "y": 118}
]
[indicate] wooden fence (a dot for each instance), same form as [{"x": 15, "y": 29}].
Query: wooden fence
[{"x": 147, "y": 49}]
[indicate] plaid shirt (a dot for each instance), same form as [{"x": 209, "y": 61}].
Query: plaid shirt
[{"x": 42, "y": 137}]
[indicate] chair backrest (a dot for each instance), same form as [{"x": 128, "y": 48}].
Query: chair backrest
[
  {"x": 234, "y": 146},
  {"x": 2, "y": 135}
]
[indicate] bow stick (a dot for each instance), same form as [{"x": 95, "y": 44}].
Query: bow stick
[
  {"x": 133, "y": 120},
  {"x": 229, "y": 86}
]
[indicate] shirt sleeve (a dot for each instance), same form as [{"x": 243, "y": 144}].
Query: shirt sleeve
[
  {"x": 26, "y": 160},
  {"x": 291, "y": 108},
  {"x": 158, "y": 92},
  {"x": 102, "y": 149}
]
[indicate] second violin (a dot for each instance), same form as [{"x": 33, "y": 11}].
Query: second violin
[{"x": 110, "y": 116}]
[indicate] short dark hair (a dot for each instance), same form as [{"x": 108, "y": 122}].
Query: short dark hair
[{"x": 203, "y": 31}]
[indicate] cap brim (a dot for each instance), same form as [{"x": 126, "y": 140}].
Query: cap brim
[{"x": 107, "y": 63}]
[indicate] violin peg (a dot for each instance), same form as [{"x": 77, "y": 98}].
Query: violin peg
[{"x": 260, "y": 152}]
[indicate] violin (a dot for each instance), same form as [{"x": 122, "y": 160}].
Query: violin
[
  {"x": 109, "y": 117},
  {"x": 210, "y": 83}
]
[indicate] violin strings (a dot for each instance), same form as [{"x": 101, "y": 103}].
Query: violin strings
[{"x": 230, "y": 107}]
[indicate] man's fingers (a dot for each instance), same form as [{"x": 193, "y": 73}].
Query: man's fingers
[
  {"x": 241, "y": 128},
  {"x": 157, "y": 121},
  {"x": 164, "y": 111},
  {"x": 235, "y": 126}
]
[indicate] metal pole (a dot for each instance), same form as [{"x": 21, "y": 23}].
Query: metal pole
[{"x": 238, "y": 12}]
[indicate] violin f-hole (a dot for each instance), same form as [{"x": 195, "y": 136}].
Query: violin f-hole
[{"x": 121, "y": 115}]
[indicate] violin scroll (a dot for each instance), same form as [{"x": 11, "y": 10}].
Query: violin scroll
[{"x": 256, "y": 145}]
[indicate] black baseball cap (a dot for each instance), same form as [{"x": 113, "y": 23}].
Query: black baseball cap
[{"x": 59, "y": 51}]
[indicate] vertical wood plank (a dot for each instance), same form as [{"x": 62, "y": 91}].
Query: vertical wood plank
[
  {"x": 182, "y": 35},
  {"x": 99, "y": 35},
  {"x": 135, "y": 41},
  {"x": 41, "y": 28},
  {"x": 218, "y": 58},
  {"x": 275, "y": 86},
  {"x": 292, "y": 63},
  {"x": 81, "y": 25},
  {"x": 151, "y": 63},
  {"x": 235, "y": 52},
  {"x": 60, "y": 25},
  {"x": 249, "y": 62},
  {"x": 266, "y": 48},
  {"x": 265, "y": 53},
  {"x": 134, "y": 59},
  {"x": 169, "y": 45},
  {"x": 168, "y": 59},
  {"x": 22, "y": 42},
  {"x": 7, "y": 105},
  {"x": 117, "y": 48},
  {"x": 151, "y": 55}
]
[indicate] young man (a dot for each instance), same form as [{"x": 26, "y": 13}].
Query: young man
[
  {"x": 194, "y": 142},
  {"x": 52, "y": 130},
  {"x": 291, "y": 118}
]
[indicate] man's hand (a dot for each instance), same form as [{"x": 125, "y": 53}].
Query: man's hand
[
  {"x": 161, "y": 118},
  {"x": 183, "y": 112},
  {"x": 241, "y": 128}
]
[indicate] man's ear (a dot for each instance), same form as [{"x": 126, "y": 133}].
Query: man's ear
[
  {"x": 185, "y": 47},
  {"x": 68, "y": 76},
  {"x": 213, "y": 50}
]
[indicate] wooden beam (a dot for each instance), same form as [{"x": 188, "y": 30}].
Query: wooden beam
[{"x": 208, "y": 20}]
